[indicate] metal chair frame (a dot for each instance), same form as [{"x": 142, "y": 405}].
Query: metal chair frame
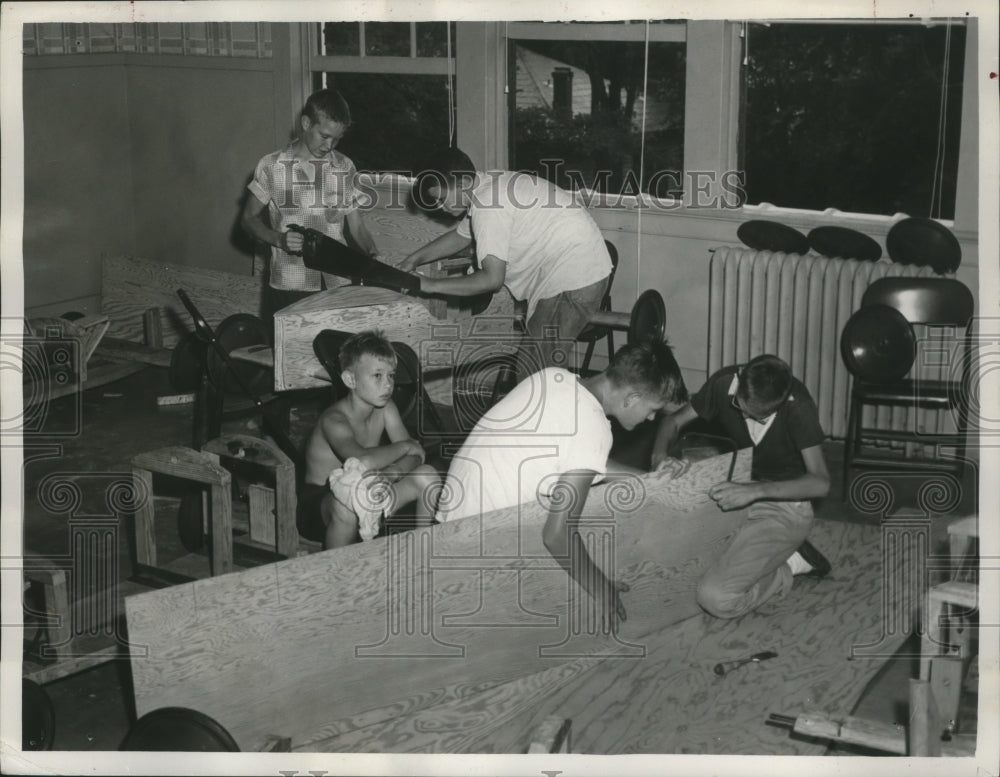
[{"x": 934, "y": 302}]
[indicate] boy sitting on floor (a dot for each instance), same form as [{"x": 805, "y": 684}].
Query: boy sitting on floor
[
  {"x": 550, "y": 437},
  {"x": 351, "y": 478},
  {"x": 764, "y": 406}
]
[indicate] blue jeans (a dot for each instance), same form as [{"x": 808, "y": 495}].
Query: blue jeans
[{"x": 753, "y": 569}]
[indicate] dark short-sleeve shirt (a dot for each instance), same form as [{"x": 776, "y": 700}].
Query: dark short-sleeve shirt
[{"x": 778, "y": 455}]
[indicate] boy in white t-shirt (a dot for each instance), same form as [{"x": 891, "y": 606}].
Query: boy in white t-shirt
[
  {"x": 531, "y": 236},
  {"x": 550, "y": 437}
]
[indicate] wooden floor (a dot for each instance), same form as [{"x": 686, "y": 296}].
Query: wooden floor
[{"x": 703, "y": 713}]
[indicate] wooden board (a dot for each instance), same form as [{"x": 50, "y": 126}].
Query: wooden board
[
  {"x": 128, "y": 350},
  {"x": 131, "y": 286},
  {"x": 442, "y": 346},
  {"x": 671, "y": 701},
  {"x": 480, "y": 600},
  {"x": 349, "y": 309}
]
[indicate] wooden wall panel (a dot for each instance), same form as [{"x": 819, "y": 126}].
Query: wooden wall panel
[{"x": 301, "y": 643}]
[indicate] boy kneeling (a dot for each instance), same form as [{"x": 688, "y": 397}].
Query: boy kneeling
[
  {"x": 549, "y": 439},
  {"x": 351, "y": 478},
  {"x": 762, "y": 405}
]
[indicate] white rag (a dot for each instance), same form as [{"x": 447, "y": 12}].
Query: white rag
[{"x": 368, "y": 503}]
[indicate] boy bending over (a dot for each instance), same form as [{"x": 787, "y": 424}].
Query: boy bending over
[
  {"x": 760, "y": 405},
  {"x": 352, "y": 429},
  {"x": 550, "y": 437}
]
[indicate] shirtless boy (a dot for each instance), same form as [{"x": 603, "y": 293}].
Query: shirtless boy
[{"x": 355, "y": 427}]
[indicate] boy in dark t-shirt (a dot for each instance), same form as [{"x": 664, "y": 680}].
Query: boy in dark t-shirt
[{"x": 760, "y": 405}]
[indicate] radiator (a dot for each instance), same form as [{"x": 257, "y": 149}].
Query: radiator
[{"x": 795, "y": 306}]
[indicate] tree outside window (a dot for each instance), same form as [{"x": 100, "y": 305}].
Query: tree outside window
[{"x": 863, "y": 118}]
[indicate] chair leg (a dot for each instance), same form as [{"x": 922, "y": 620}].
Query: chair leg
[
  {"x": 214, "y": 408},
  {"x": 585, "y": 367},
  {"x": 504, "y": 376},
  {"x": 611, "y": 345},
  {"x": 850, "y": 444}
]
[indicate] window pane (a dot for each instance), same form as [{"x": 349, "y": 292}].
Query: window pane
[
  {"x": 397, "y": 120},
  {"x": 849, "y": 117},
  {"x": 387, "y": 39},
  {"x": 341, "y": 39},
  {"x": 580, "y": 104},
  {"x": 432, "y": 39}
]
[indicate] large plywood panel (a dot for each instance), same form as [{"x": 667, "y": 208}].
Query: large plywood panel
[
  {"x": 672, "y": 701},
  {"x": 132, "y": 286},
  {"x": 298, "y": 644}
]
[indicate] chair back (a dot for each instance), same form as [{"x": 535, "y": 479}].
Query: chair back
[
  {"x": 613, "y": 254},
  {"x": 933, "y": 301},
  {"x": 326, "y": 346}
]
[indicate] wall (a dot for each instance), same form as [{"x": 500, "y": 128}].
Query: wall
[
  {"x": 77, "y": 190},
  {"x": 138, "y": 155},
  {"x": 196, "y": 135}
]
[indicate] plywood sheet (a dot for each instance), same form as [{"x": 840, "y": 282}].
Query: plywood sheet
[
  {"x": 348, "y": 309},
  {"x": 130, "y": 286},
  {"x": 333, "y": 635},
  {"x": 670, "y": 700},
  {"x": 442, "y": 346}
]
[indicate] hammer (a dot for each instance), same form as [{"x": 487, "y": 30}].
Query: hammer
[{"x": 725, "y": 666}]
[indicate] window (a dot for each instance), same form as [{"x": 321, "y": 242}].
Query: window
[
  {"x": 590, "y": 107},
  {"x": 398, "y": 79},
  {"x": 864, "y": 118}
]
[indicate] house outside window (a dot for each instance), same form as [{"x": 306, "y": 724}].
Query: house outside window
[{"x": 598, "y": 107}]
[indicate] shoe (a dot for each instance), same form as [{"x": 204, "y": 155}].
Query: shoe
[{"x": 820, "y": 564}]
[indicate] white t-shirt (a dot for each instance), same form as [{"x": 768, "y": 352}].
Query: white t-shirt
[
  {"x": 548, "y": 425},
  {"x": 549, "y": 241}
]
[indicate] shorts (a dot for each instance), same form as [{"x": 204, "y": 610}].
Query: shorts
[{"x": 309, "y": 515}]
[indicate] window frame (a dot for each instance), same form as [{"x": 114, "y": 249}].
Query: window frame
[
  {"x": 365, "y": 63},
  {"x": 712, "y": 98},
  {"x": 667, "y": 31}
]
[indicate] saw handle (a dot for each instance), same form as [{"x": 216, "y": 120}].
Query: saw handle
[{"x": 305, "y": 236}]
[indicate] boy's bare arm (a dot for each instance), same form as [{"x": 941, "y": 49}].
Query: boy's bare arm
[
  {"x": 343, "y": 442},
  {"x": 445, "y": 245},
  {"x": 562, "y": 539},
  {"x": 490, "y": 278},
  {"x": 670, "y": 426},
  {"x": 397, "y": 432}
]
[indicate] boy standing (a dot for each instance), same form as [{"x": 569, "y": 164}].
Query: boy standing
[
  {"x": 349, "y": 438},
  {"x": 311, "y": 184},
  {"x": 531, "y": 236},
  {"x": 550, "y": 437},
  {"x": 760, "y": 405}
]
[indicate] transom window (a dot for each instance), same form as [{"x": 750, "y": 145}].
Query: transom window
[{"x": 398, "y": 78}]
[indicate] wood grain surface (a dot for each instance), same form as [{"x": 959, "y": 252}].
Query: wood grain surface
[
  {"x": 444, "y": 347},
  {"x": 131, "y": 286},
  {"x": 480, "y": 601},
  {"x": 670, "y": 700}
]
